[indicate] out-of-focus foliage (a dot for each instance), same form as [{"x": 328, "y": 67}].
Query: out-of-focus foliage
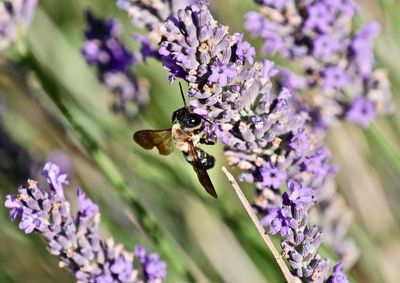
[{"x": 215, "y": 238}]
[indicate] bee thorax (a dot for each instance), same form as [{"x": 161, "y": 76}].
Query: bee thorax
[{"x": 181, "y": 137}]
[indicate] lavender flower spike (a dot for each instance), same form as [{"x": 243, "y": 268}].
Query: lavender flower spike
[
  {"x": 262, "y": 131},
  {"x": 300, "y": 242},
  {"x": 318, "y": 36},
  {"x": 113, "y": 62},
  {"x": 75, "y": 240},
  {"x": 15, "y": 17}
]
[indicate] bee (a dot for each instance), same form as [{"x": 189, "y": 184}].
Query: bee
[{"x": 186, "y": 133}]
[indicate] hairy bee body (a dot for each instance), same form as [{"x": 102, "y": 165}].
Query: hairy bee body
[
  {"x": 186, "y": 133},
  {"x": 181, "y": 137},
  {"x": 188, "y": 128}
]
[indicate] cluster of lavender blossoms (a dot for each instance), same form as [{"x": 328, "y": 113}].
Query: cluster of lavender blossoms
[
  {"x": 263, "y": 133},
  {"x": 15, "y": 17},
  {"x": 336, "y": 74},
  {"x": 114, "y": 62},
  {"x": 150, "y": 14},
  {"x": 75, "y": 240}
]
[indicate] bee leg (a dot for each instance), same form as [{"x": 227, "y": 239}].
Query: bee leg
[{"x": 207, "y": 141}]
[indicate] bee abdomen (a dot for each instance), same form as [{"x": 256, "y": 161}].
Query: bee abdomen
[{"x": 206, "y": 161}]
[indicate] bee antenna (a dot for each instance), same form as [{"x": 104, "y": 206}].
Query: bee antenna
[
  {"x": 207, "y": 120},
  {"x": 183, "y": 96}
]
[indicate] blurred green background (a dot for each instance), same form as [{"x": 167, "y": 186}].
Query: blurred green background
[{"x": 214, "y": 237}]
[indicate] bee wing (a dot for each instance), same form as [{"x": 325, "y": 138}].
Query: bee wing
[
  {"x": 202, "y": 174},
  {"x": 161, "y": 139}
]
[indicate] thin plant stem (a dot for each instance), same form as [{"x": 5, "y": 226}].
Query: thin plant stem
[
  {"x": 388, "y": 149},
  {"x": 285, "y": 270}
]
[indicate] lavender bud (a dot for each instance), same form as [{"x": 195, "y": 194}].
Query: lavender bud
[{"x": 338, "y": 275}]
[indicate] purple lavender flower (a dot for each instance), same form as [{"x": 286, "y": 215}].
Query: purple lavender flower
[
  {"x": 337, "y": 68},
  {"x": 263, "y": 133},
  {"x": 317, "y": 35},
  {"x": 300, "y": 242},
  {"x": 362, "y": 111},
  {"x": 53, "y": 177},
  {"x": 334, "y": 78},
  {"x": 361, "y": 48},
  {"x": 76, "y": 239},
  {"x": 325, "y": 47},
  {"x": 15, "y": 18},
  {"x": 272, "y": 177},
  {"x": 245, "y": 50},
  {"x": 154, "y": 269},
  {"x": 300, "y": 142},
  {"x": 221, "y": 73},
  {"x": 319, "y": 17},
  {"x": 338, "y": 275},
  {"x": 113, "y": 62}
]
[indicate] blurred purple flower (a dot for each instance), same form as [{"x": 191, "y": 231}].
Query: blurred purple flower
[
  {"x": 62, "y": 159},
  {"x": 150, "y": 14},
  {"x": 362, "y": 48},
  {"x": 147, "y": 49},
  {"x": 102, "y": 46},
  {"x": 362, "y": 111},
  {"x": 338, "y": 275},
  {"x": 317, "y": 35},
  {"x": 15, "y": 18},
  {"x": 334, "y": 78},
  {"x": 325, "y": 47},
  {"x": 319, "y": 17},
  {"x": 113, "y": 62}
]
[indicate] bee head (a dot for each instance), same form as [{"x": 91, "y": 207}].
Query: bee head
[{"x": 186, "y": 118}]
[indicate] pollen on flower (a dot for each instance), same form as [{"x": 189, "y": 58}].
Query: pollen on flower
[{"x": 32, "y": 183}]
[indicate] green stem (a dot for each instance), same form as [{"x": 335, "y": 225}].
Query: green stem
[
  {"x": 388, "y": 149},
  {"x": 110, "y": 171}
]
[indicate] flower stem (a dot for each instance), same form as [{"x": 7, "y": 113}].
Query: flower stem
[
  {"x": 285, "y": 270},
  {"x": 389, "y": 150}
]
